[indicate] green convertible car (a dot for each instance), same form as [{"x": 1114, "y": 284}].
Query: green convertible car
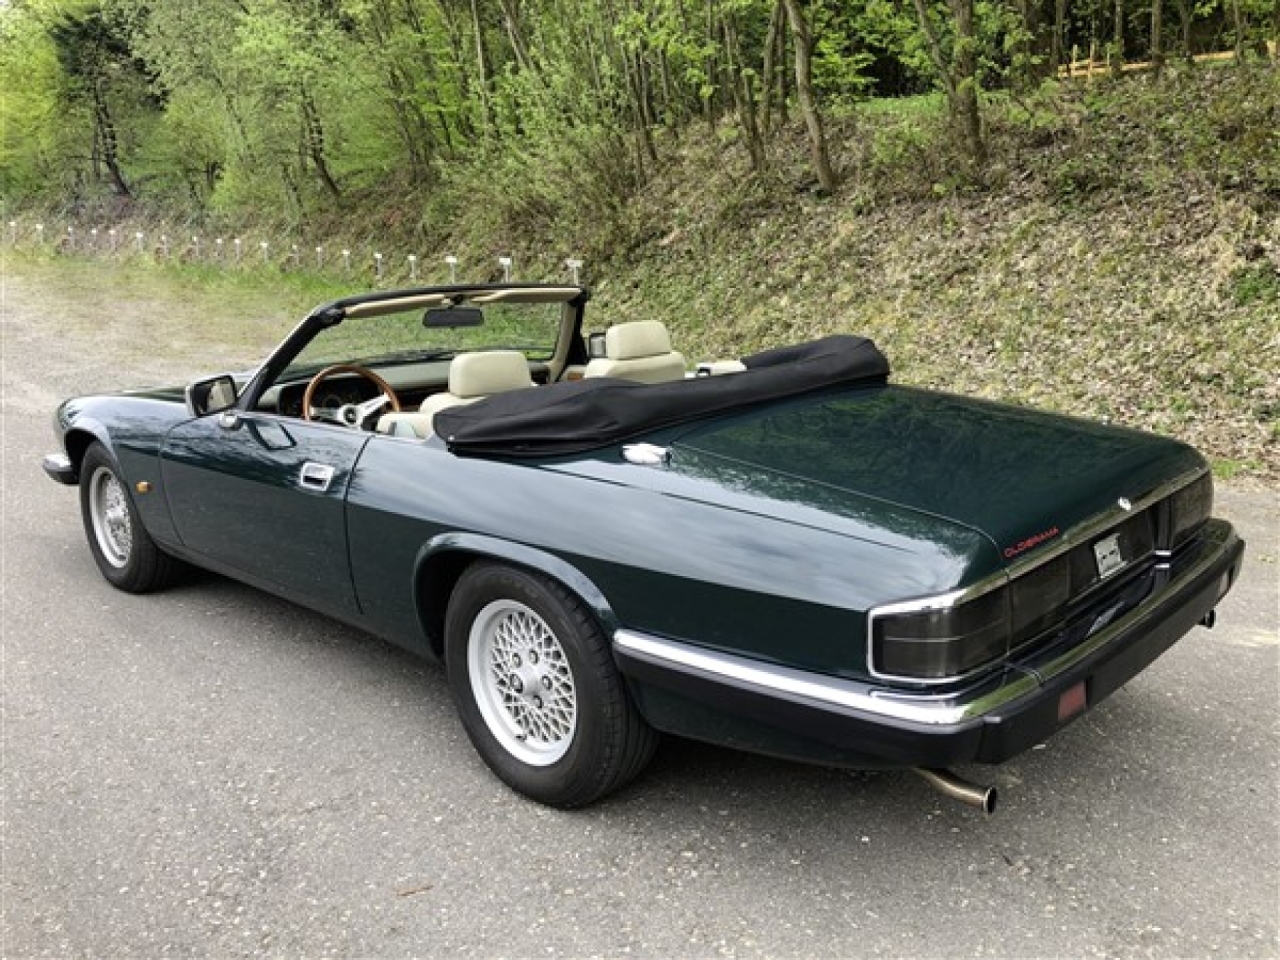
[{"x": 785, "y": 553}]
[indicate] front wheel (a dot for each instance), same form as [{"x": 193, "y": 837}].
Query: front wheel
[
  {"x": 537, "y": 690},
  {"x": 124, "y": 551}
]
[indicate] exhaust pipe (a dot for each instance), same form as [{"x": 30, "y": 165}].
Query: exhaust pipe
[
  {"x": 957, "y": 788},
  {"x": 1209, "y": 619}
]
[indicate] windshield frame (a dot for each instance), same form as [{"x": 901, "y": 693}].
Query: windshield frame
[{"x": 569, "y": 347}]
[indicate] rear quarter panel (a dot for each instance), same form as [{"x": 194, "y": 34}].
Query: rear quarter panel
[{"x": 784, "y": 577}]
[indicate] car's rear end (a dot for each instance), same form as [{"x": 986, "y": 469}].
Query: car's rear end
[{"x": 1100, "y": 553}]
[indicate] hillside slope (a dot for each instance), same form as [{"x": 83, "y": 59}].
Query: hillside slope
[{"x": 1151, "y": 297}]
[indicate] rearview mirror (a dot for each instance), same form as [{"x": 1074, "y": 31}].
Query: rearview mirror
[
  {"x": 212, "y": 395},
  {"x": 453, "y": 317}
]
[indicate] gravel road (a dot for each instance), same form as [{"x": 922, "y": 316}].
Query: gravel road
[{"x": 211, "y": 771}]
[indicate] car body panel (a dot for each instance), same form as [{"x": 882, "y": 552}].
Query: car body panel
[
  {"x": 1010, "y": 472},
  {"x": 237, "y": 496}
]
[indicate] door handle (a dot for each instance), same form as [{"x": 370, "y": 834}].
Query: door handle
[{"x": 315, "y": 476}]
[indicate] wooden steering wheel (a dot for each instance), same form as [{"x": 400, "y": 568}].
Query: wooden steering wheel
[{"x": 349, "y": 414}]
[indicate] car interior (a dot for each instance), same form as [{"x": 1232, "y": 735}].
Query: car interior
[{"x": 399, "y": 395}]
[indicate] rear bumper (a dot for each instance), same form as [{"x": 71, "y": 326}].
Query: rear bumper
[
  {"x": 811, "y": 716},
  {"x": 60, "y": 468}
]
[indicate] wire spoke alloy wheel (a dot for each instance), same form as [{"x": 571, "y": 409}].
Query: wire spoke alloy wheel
[
  {"x": 109, "y": 511},
  {"x": 522, "y": 682}
]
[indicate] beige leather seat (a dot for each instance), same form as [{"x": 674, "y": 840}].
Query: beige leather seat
[
  {"x": 472, "y": 377},
  {"x": 638, "y": 351}
]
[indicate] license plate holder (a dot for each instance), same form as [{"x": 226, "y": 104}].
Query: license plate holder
[{"x": 1106, "y": 553}]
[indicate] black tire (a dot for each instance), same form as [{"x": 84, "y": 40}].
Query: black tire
[
  {"x": 125, "y": 553},
  {"x": 496, "y": 617}
]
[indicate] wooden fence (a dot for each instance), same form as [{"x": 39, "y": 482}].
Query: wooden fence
[{"x": 1092, "y": 66}]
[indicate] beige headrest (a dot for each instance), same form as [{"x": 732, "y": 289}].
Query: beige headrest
[
  {"x": 633, "y": 341},
  {"x": 493, "y": 371}
]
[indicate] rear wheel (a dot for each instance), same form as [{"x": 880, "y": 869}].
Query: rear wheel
[
  {"x": 537, "y": 690},
  {"x": 120, "y": 544}
]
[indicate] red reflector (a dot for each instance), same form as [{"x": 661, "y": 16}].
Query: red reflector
[{"x": 1072, "y": 701}]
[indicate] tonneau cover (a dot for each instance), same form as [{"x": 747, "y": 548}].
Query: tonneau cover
[{"x": 573, "y": 417}]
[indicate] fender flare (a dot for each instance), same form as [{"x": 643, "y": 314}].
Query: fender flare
[
  {"x": 434, "y": 555},
  {"x": 78, "y": 435}
]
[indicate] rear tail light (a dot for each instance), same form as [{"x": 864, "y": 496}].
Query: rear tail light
[
  {"x": 941, "y": 644},
  {"x": 1188, "y": 509}
]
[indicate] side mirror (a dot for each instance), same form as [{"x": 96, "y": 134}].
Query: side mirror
[{"x": 212, "y": 395}]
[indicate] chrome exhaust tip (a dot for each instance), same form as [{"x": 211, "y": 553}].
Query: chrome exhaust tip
[
  {"x": 957, "y": 788},
  {"x": 1209, "y": 619}
]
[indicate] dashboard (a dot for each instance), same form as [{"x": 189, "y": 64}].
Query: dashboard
[
  {"x": 332, "y": 394},
  {"x": 411, "y": 382}
]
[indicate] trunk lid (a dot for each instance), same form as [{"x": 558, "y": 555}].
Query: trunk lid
[{"x": 1021, "y": 477}]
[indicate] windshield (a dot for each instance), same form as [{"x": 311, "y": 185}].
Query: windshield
[{"x": 405, "y": 337}]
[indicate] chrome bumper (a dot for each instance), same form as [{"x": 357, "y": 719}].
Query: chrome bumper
[{"x": 60, "y": 468}]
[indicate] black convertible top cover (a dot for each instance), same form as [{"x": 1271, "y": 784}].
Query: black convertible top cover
[{"x": 576, "y": 416}]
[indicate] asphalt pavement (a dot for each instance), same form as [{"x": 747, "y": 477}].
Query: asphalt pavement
[{"x": 214, "y": 772}]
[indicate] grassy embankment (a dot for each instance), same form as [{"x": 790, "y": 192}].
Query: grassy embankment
[{"x": 1121, "y": 259}]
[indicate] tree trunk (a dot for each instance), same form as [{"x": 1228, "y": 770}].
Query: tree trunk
[
  {"x": 644, "y": 105},
  {"x": 314, "y": 133},
  {"x": 482, "y": 68},
  {"x": 1275, "y": 34},
  {"x": 767, "y": 72},
  {"x": 1157, "y": 36},
  {"x": 1186, "y": 16},
  {"x": 515, "y": 33},
  {"x": 934, "y": 46},
  {"x": 809, "y": 102},
  {"x": 1056, "y": 48},
  {"x": 744, "y": 96},
  {"x": 959, "y": 77},
  {"x": 105, "y": 128},
  {"x": 966, "y": 83},
  {"x": 1024, "y": 48},
  {"x": 1116, "y": 59}
]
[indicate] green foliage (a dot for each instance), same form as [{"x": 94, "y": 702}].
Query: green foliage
[
  {"x": 515, "y": 114},
  {"x": 1254, "y": 283}
]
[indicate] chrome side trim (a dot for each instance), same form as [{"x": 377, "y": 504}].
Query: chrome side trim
[
  {"x": 822, "y": 690},
  {"x": 773, "y": 679}
]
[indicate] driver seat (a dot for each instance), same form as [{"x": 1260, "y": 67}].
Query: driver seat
[{"x": 472, "y": 377}]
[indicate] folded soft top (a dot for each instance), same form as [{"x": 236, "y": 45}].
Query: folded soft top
[{"x": 581, "y": 415}]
